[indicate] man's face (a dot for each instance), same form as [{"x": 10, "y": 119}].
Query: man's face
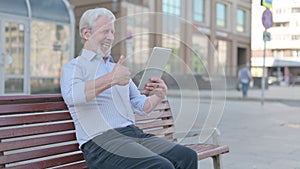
[{"x": 102, "y": 36}]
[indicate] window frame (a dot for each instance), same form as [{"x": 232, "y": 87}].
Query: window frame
[
  {"x": 224, "y": 18},
  {"x": 243, "y": 25},
  {"x": 202, "y": 14}
]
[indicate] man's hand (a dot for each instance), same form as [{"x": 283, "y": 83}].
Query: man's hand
[
  {"x": 120, "y": 74},
  {"x": 157, "y": 87},
  {"x": 158, "y": 91}
]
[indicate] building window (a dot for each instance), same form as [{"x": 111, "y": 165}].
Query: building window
[
  {"x": 281, "y": 24},
  {"x": 199, "y": 11},
  {"x": 281, "y": 37},
  {"x": 296, "y": 53},
  {"x": 200, "y": 53},
  {"x": 51, "y": 41},
  {"x": 222, "y": 53},
  {"x": 295, "y": 10},
  {"x": 171, "y": 31},
  {"x": 240, "y": 20},
  {"x": 221, "y": 14},
  {"x": 170, "y": 24},
  {"x": 297, "y": 23},
  {"x": 13, "y": 46},
  {"x": 295, "y": 37},
  {"x": 278, "y": 53},
  {"x": 171, "y": 7}
]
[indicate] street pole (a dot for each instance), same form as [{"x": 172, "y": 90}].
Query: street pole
[
  {"x": 263, "y": 79},
  {"x": 267, "y": 20}
]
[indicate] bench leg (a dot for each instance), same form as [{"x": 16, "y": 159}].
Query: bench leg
[{"x": 217, "y": 162}]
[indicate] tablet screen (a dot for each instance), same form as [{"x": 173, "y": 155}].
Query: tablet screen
[{"x": 156, "y": 65}]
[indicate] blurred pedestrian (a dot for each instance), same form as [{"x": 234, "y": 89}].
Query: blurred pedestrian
[
  {"x": 244, "y": 78},
  {"x": 292, "y": 79}
]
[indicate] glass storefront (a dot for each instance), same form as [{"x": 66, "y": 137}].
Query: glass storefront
[
  {"x": 14, "y": 47},
  {"x": 50, "y": 50},
  {"x": 36, "y": 40}
]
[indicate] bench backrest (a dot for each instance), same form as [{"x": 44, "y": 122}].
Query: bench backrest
[
  {"x": 36, "y": 131},
  {"x": 159, "y": 122}
]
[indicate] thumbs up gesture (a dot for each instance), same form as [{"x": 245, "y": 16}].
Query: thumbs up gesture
[{"x": 120, "y": 74}]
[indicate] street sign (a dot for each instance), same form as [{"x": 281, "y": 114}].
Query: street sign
[
  {"x": 266, "y": 3},
  {"x": 267, "y": 19},
  {"x": 266, "y": 36}
]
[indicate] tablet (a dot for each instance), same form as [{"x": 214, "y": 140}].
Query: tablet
[{"x": 156, "y": 65}]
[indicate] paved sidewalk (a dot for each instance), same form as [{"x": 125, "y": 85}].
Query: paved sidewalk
[{"x": 259, "y": 137}]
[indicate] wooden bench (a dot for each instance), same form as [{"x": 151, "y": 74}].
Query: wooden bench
[{"x": 36, "y": 131}]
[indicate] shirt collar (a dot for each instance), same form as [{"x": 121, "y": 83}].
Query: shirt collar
[{"x": 88, "y": 54}]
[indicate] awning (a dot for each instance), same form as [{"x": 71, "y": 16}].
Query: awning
[{"x": 50, "y": 10}]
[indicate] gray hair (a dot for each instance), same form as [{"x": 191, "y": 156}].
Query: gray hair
[{"x": 88, "y": 18}]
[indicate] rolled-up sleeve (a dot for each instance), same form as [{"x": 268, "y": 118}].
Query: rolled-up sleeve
[
  {"x": 72, "y": 84},
  {"x": 137, "y": 99}
]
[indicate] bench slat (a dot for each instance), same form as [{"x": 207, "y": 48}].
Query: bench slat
[
  {"x": 163, "y": 131},
  {"x": 155, "y": 124},
  {"x": 31, "y": 107},
  {"x": 162, "y": 106},
  {"x": 35, "y": 118},
  {"x": 80, "y": 165},
  {"x": 33, "y": 154},
  {"x": 153, "y": 115},
  {"x": 33, "y": 142},
  {"x": 34, "y": 130},
  {"x": 52, "y": 162},
  {"x": 32, "y": 98}
]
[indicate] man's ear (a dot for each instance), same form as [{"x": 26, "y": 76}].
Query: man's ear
[{"x": 85, "y": 33}]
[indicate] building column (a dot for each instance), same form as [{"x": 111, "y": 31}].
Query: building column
[
  {"x": 186, "y": 35},
  {"x": 211, "y": 50},
  {"x": 120, "y": 38},
  {"x": 234, "y": 60},
  {"x": 156, "y": 19}
]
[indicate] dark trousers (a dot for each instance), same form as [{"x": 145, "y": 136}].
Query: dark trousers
[{"x": 131, "y": 148}]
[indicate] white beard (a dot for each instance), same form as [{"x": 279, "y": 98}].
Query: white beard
[{"x": 102, "y": 53}]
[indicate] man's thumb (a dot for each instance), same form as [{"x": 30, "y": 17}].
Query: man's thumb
[{"x": 121, "y": 60}]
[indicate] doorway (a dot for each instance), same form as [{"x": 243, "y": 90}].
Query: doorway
[
  {"x": 14, "y": 73},
  {"x": 241, "y": 56}
]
